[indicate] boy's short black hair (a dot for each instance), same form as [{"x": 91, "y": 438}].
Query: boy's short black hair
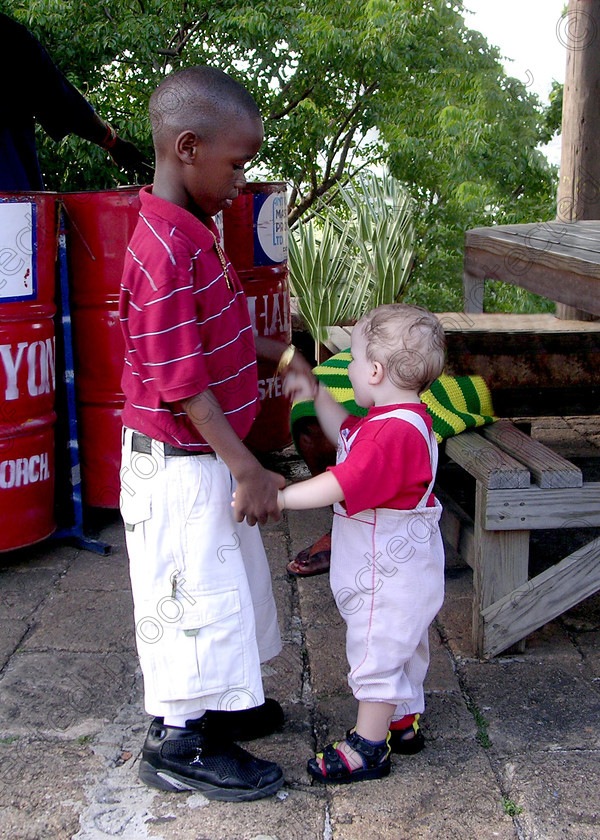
[{"x": 200, "y": 99}]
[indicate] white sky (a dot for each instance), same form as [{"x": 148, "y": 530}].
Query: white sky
[{"x": 532, "y": 34}]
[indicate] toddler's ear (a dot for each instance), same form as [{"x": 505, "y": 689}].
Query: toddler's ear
[{"x": 377, "y": 373}]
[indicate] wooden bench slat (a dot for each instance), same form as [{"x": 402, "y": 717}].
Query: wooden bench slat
[
  {"x": 541, "y": 599},
  {"x": 485, "y": 462},
  {"x": 533, "y": 508},
  {"x": 548, "y": 468}
]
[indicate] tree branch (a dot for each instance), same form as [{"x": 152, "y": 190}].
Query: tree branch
[
  {"x": 278, "y": 115},
  {"x": 183, "y": 36},
  {"x": 369, "y": 91}
]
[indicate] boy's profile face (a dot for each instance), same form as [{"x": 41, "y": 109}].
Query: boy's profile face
[{"x": 215, "y": 177}]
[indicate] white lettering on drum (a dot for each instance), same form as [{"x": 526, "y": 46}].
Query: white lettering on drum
[
  {"x": 19, "y": 472},
  {"x": 269, "y": 314},
  {"x": 39, "y": 358}
]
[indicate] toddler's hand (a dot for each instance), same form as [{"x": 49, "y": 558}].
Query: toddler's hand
[
  {"x": 280, "y": 502},
  {"x": 299, "y": 386}
]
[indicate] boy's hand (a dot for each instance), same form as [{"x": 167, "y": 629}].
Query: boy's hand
[
  {"x": 255, "y": 499},
  {"x": 280, "y": 500},
  {"x": 300, "y": 386}
]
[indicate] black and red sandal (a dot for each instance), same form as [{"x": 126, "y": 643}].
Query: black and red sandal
[
  {"x": 408, "y": 739},
  {"x": 375, "y": 756}
]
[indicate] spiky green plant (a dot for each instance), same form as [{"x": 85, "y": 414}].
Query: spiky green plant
[
  {"x": 322, "y": 275},
  {"x": 353, "y": 256}
]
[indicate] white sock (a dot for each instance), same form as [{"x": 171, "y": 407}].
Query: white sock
[{"x": 180, "y": 720}]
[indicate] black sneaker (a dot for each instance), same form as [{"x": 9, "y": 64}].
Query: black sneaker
[
  {"x": 176, "y": 759},
  {"x": 247, "y": 724}
]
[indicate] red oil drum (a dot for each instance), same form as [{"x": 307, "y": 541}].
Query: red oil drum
[
  {"x": 255, "y": 237},
  {"x": 28, "y": 246},
  {"x": 100, "y": 225}
]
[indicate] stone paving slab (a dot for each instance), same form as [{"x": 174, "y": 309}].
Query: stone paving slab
[
  {"x": 41, "y": 787},
  {"x": 63, "y": 695},
  {"x": 317, "y": 606},
  {"x": 102, "y": 573},
  {"x": 11, "y": 634},
  {"x": 441, "y": 675},
  {"x": 534, "y": 706},
  {"x": 23, "y": 592},
  {"x": 84, "y": 620},
  {"x": 290, "y": 815},
  {"x": 48, "y": 554},
  {"x": 440, "y": 794},
  {"x": 447, "y": 718},
  {"x": 305, "y": 527},
  {"x": 556, "y": 794}
]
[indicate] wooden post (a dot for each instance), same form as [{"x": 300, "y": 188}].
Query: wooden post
[
  {"x": 579, "y": 186},
  {"x": 500, "y": 565}
]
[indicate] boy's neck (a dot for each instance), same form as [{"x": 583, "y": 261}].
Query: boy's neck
[
  {"x": 389, "y": 394},
  {"x": 170, "y": 189}
]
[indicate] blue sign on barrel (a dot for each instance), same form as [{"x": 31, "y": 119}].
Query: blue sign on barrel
[{"x": 270, "y": 228}]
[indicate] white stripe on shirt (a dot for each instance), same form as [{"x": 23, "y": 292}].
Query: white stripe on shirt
[
  {"x": 162, "y": 241},
  {"x": 162, "y": 332},
  {"x": 141, "y": 265}
]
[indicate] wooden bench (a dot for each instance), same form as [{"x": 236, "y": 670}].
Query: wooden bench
[{"x": 520, "y": 485}]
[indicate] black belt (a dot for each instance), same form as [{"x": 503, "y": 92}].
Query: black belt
[{"x": 142, "y": 443}]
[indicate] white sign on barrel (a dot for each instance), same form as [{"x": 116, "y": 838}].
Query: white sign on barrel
[{"x": 17, "y": 275}]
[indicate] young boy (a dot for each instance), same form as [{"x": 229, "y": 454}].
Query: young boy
[
  {"x": 204, "y": 609},
  {"x": 387, "y": 560}
]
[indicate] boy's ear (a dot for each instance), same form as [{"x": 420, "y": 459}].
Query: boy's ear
[
  {"x": 186, "y": 146},
  {"x": 377, "y": 373}
]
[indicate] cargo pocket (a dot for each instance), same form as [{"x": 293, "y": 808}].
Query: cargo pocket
[
  {"x": 202, "y": 651},
  {"x": 135, "y": 510}
]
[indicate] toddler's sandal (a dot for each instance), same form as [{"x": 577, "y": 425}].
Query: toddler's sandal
[
  {"x": 407, "y": 741},
  {"x": 375, "y": 756}
]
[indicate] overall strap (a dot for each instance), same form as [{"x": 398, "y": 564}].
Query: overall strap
[{"x": 418, "y": 423}]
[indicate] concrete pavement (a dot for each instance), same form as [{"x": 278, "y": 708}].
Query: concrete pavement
[{"x": 513, "y": 744}]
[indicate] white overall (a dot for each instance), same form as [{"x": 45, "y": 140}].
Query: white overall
[
  {"x": 387, "y": 578},
  {"x": 203, "y": 602}
]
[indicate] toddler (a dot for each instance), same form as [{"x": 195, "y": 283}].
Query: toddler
[{"x": 387, "y": 561}]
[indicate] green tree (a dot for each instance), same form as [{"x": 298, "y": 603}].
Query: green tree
[{"x": 342, "y": 84}]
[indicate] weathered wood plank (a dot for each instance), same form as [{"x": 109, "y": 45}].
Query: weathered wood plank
[
  {"x": 532, "y": 508},
  {"x": 506, "y": 323},
  {"x": 485, "y": 462},
  {"x": 500, "y": 564},
  {"x": 546, "y": 245},
  {"x": 473, "y": 291},
  {"x": 565, "y": 240},
  {"x": 541, "y": 599},
  {"x": 549, "y": 469},
  {"x": 570, "y": 280}
]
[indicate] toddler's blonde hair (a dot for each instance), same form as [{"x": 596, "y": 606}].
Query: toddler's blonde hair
[{"x": 408, "y": 341}]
